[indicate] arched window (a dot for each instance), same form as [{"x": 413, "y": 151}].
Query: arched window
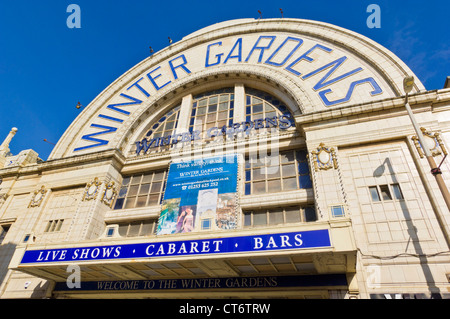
[
  {"x": 212, "y": 109},
  {"x": 261, "y": 106},
  {"x": 161, "y": 129}
]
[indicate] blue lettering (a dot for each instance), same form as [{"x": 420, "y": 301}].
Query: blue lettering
[
  {"x": 182, "y": 65},
  {"x": 218, "y": 56},
  {"x": 336, "y": 64},
  {"x": 114, "y": 106},
  {"x": 300, "y": 42},
  {"x": 305, "y": 57},
  {"x": 89, "y": 137},
  {"x": 376, "y": 90},
  {"x": 153, "y": 78},
  {"x": 139, "y": 87},
  {"x": 261, "y": 48},
  {"x": 238, "y": 55}
]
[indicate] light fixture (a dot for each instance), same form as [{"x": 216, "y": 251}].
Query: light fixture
[
  {"x": 408, "y": 83},
  {"x": 170, "y": 40},
  {"x": 281, "y": 10},
  {"x": 78, "y": 106}
]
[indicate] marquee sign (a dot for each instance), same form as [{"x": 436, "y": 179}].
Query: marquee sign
[
  {"x": 211, "y": 283},
  {"x": 326, "y": 72},
  {"x": 212, "y": 246}
]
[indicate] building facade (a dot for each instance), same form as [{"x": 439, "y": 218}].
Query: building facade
[{"x": 252, "y": 159}]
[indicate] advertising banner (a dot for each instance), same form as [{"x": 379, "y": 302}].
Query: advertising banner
[{"x": 200, "y": 195}]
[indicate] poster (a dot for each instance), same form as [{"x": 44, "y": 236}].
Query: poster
[{"x": 200, "y": 195}]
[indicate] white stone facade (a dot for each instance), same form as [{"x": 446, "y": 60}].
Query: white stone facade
[{"x": 345, "y": 95}]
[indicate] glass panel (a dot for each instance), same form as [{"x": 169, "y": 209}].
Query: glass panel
[
  {"x": 288, "y": 170},
  {"x": 123, "y": 192},
  {"x": 273, "y": 172},
  {"x": 374, "y": 194},
  {"x": 146, "y": 229},
  {"x": 276, "y": 217},
  {"x": 123, "y": 229},
  {"x": 144, "y": 189},
  {"x": 136, "y": 179},
  {"x": 119, "y": 203},
  {"x": 141, "y": 201},
  {"x": 274, "y": 186},
  {"x": 257, "y": 108},
  {"x": 292, "y": 215},
  {"x": 397, "y": 191},
  {"x": 134, "y": 229},
  {"x": 259, "y": 218},
  {"x": 153, "y": 199},
  {"x": 385, "y": 193},
  {"x": 147, "y": 178},
  {"x": 126, "y": 180},
  {"x": 337, "y": 211},
  {"x": 287, "y": 157},
  {"x": 158, "y": 176},
  {"x": 212, "y": 108},
  {"x": 223, "y": 106},
  {"x": 156, "y": 187},
  {"x": 247, "y": 218},
  {"x": 259, "y": 173},
  {"x": 310, "y": 214},
  {"x": 133, "y": 190},
  {"x": 289, "y": 183},
  {"x": 130, "y": 202},
  {"x": 259, "y": 187},
  {"x": 305, "y": 181},
  {"x": 248, "y": 188}
]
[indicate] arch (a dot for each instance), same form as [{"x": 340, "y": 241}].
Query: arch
[{"x": 268, "y": 52}]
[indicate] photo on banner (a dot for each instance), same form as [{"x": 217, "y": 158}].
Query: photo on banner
[{"x": 200, "y": 194}]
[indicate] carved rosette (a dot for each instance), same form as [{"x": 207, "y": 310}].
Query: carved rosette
[
  {"x": 432, "y": 141},
  {"x": 37, "y": 198},
  {"x": 91, "y": 190},
  {"x": 324, "y": 157},
  {"x": 109, "y": 194}
]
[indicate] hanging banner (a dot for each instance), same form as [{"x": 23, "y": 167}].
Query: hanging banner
[{"x": 200, "y": 195}]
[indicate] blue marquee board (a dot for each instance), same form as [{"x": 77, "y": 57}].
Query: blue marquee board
[{"x": 211, "y": 246}]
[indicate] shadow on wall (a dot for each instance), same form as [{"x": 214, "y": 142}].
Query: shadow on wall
[{"x": 412, "y": 230}]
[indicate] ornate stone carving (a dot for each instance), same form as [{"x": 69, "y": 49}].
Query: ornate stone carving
[
  {"x": 324, "y": 157},
  {"x": 38, "y": 196},
  {"x": 109, "y": 194},
  {"x": 433, "y": 142},
  {"x": 91, "y": 190}
]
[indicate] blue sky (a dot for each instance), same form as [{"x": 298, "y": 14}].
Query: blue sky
[{"x": 46, "y": 68}]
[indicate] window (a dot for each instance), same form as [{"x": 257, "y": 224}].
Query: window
[
  {"x": 278, "y": 216},
  {"x": 164, "y": 127},
  {"x": 212, "y": 109},
  {"x": 287, "y": 171},
  {"x": 385, "y": 192},
  {"x": 206, "y": 224},
  {"x": 337, "y": 211},
  {"x": 3, "y": 231},
  {"x": 260, "y": 105},
  {"x": 141, "y": 190},
  {"x": 138, "y": 228},
  {"x": 54, "y": 225},
  {"x": 397, "y": 191}
]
